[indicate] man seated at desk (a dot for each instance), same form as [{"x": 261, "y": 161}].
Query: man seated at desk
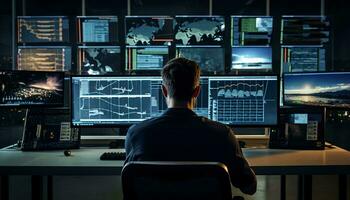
[{"x": 180, "y": 135}]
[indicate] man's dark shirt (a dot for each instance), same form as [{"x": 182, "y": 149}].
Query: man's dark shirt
[{"x": 180, "y": 135}]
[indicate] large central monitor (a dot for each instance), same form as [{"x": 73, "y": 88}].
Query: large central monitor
[
  {"x": 27, "y": 88},
  {"x": 331, "y": 89},
  {"x": 244, "y": 100},
  {"x": 116, "y": 100}
]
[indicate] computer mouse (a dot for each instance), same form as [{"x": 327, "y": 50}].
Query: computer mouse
[{"x": 67, "y": 152}]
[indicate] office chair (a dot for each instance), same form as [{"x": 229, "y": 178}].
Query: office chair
[{"x": 176, "y": 181}]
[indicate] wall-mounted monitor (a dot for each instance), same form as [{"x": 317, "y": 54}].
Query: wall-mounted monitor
[
  {"x": 211, "y": 59},
  {"x": 251, "y": 58},
  {"x": 99, "y": 60},
  {"x": 27, "y": 88},
  {"x": 44, "y": 58},
  {"x": 328, "y": 89},
  {"x": 42, "y": 29},
  {"x": 148, "y": 30},
  {"x": 251, "y": 30},
  {"x": 305, "y": 30},
  {"x": 199, "y": 30},
  {"x": 97, "y": 29},
  {"x": 244, "y": 100},
  {"x": 303, "y": 58},
  {"x": 146, "y": 58}
]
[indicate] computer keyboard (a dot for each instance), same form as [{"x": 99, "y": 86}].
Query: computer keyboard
[{"x": 113, "y": 156}]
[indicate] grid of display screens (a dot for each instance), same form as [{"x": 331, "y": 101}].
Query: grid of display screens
[
  {"x": 303, "y": 58},
  {"x": 305, "y": 30},
  {"x": 209, "y": 58},
  {"x": 25, "y": 88},
  {"x": 329, "y": 89},
  {"x": 99, "y": 60},
  {"x": 146, "y": 58},
  {"x": 42, "y": 29},
  {"x": 111, "y": 100},
  {"x": 44, "y": 58},
  {"x": 146, "y": 30},
  {"x": 98, "y": 29},
  {"x": 251, "y": 30}
]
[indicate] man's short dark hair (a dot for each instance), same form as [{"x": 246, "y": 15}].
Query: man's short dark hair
[{"x": 180, "y": 77}]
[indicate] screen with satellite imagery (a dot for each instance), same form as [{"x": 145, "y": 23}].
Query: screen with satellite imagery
[
  {"x": 244, "y": 100},
  {"x": 99, "y": 60},
  {"x": 44, "y": 58},
  {"x": 211, "y": 59},
  {"x": 251, "y": 30},
  {"x": 97, "y": 29},
  {"x": 199, "y": 30},
  {"x": 25, "y": 88},
  {"x": 38, "y": 29},
  {"x": 147, "y": 30},
  {"x": 146, "y": 58},
  {"x": 114, "y": 101},
  {"x": 251, "y": 58}
]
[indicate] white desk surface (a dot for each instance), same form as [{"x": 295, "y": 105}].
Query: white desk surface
[{"x": 86, "y": 161}]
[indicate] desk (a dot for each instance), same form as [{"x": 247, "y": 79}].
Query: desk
[{"x": 85, "y": 161}]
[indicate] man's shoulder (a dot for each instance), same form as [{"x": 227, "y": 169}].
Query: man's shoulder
[
  {"x": 214, "y": 125},
  {"x": 146, "y": 124}
]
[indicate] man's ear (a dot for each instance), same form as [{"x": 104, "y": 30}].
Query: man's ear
[
  {"x": 196, "y": 91},
  {"x": 164, "y": 91}
]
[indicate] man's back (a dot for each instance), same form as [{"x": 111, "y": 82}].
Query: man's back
[{"x": 180, "y": 135}]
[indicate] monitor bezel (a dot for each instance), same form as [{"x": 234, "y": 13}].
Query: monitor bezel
[
  {"x": 28, "y": 106},
  {"x": 270, "y": 69},
  {"x": 311, "y": 106},
  {"x": 250, "y": 16},
  {"x": 101, "y": 125},
  {"x": 80, "y": 30},
  {"x": 129, "y": 17},
  {"x": 67, "y": 41},
  {"x": 277, "y": 101},
  {"x": 19, "y": 47},
  {"x": 204, "y": 76}
]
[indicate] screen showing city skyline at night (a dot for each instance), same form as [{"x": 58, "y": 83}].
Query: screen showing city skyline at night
[{"x": 330, "y": 89}]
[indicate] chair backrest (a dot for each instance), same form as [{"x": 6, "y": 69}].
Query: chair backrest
[{"x": 176, "y": 181}]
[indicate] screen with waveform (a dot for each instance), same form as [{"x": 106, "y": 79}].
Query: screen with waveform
[
  {"x": 38, "y": 29},
  {"x": 44, "y": 58},
  {"x": 244, "y": 100},
  {"x": 27, "y": 88},
  {"x": 115, "y": 101}
]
